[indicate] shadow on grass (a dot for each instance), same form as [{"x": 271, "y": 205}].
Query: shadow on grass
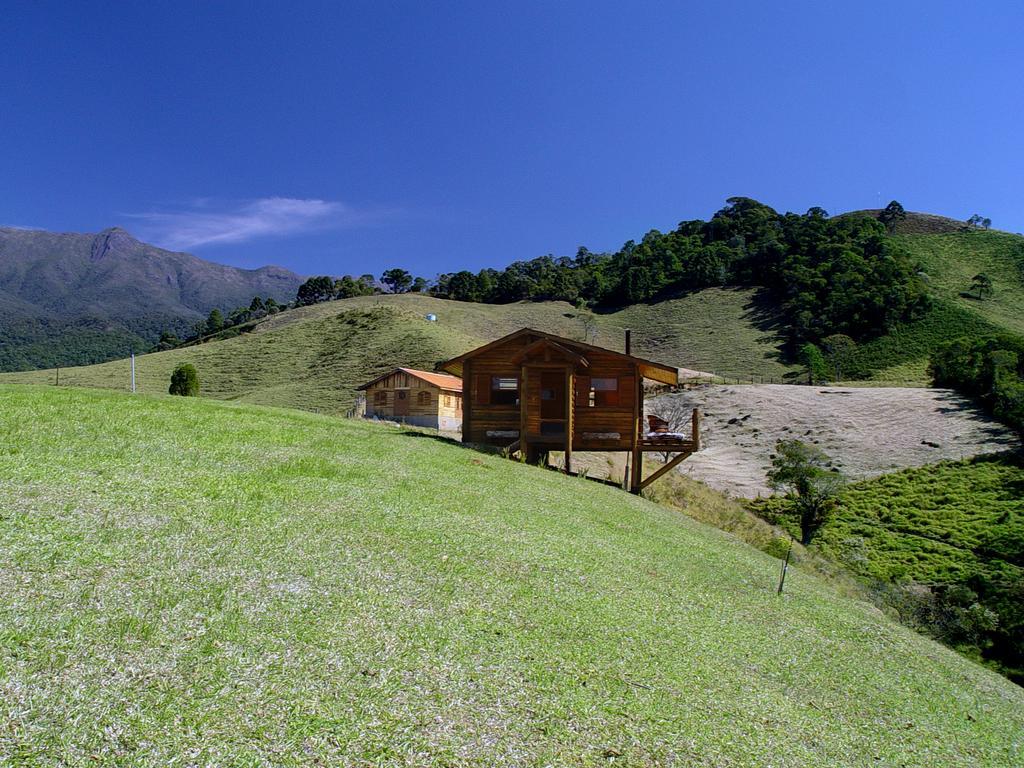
[
  {"x": 494, "y": 450},
  {"x": 438, "y": 437},
  {"x": 762, "y": 312}
]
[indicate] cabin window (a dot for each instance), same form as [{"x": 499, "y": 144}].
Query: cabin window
[
  {"x": 447, "y": 401},
  {"x": 380, "y": 397},
  {"x": 423, "y": 398},
  {"x": 603, "y": 392},
  {"x": 504, "y": 390}
]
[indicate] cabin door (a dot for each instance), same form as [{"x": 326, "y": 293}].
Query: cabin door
[
  {"x": 401, "y": 402},
  {"x": 553, "y": 403}
]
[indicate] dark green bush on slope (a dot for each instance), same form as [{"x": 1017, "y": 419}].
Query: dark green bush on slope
[{"x": 184, "y": 381}]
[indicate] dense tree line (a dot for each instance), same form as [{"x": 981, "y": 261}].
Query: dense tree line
[
  {"x": 990, "y": 370},
  {"x": 830, "y": 276},
  {"x": 217, "y": 323},
  {"x": 324, "y": 288}
]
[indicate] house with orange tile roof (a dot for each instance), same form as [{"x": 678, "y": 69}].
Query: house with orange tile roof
[{"x": 411, "y": 396}]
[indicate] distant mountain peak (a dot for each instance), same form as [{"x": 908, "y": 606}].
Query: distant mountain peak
[
  {"x": 111, "y": 239},
  {"x": 51, "y": 281}
]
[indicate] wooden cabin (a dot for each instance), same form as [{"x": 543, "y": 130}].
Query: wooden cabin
[
  {"x": 533, "y": 392},
  {"x": 423, "y": 398}
]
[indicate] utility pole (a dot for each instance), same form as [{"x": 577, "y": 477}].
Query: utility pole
[{"x": 133, "y": 371}]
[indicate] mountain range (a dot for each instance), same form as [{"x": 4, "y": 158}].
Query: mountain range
[{"x": 72, "y": 299}]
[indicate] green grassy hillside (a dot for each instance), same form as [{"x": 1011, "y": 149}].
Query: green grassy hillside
[
  {"x": 236, "y": 585},
  {"x": 935, "y": 524},
  {"x": 314, "y": 357},
  {"x": 956, "y": 524},
  {"x": 950, "y": 260}
]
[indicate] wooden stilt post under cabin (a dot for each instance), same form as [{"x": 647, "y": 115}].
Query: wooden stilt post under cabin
[
  {"x": 467, "y": 393},
  {"x": 570, "y": 391},
  {"x": 524, "y": 443},
  {"x": 637, "y": 470}
]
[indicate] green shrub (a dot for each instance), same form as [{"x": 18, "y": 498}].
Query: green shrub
[
  {"x": 813, "y": 361},
  {"x": 184, "y": 381}
]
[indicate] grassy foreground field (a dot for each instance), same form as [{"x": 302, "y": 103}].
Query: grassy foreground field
[
  {"x": 200, "y": 583},
  {"x": 314, "y": 357}
]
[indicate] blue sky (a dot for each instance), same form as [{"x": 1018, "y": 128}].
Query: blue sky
[{"x": 349, "y": 137}]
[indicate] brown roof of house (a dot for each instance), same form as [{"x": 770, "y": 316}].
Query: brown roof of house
[
  {"x": 665, "y": 374},
  {"x": 439, "y": 380}
]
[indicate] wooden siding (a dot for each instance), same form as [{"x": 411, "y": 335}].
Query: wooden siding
[
  {"x": 436, "y": 402},
  {"x": 590, "y": 426},
  {"x": 486, "y": 416}
]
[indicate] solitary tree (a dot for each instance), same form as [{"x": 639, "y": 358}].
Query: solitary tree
[
  {"x": 977, "y": 221},
  {"x": 184, "y": 381},
  {"x": 892, "y": 215},
  {"x": 838, "y": 348},
  {"x": 804, "y": 471},
  {"x": 369, "y": 283},
  {"x": 981, "y": 284},
  {"x": 810, "y": 357},
  {"x": 168, "y": 340},
  {"x": 215, "y": 322},
  {"x": 397, "y": 280}
]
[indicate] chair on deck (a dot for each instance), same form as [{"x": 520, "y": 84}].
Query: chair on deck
[{"x": 657, "y": 425}]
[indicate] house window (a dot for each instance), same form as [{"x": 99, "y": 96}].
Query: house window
[
  {"x": 447, "y": 401},
  {"x": 423, "y": 397},
  {"x": 380, "y": 398},
  {"x": 504, "y": 390},
  {"x": 603, "y": 392}
]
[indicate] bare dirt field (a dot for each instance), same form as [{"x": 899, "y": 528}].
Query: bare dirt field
[{"x": 866, "y": 431}]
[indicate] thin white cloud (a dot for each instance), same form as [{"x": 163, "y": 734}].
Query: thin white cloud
[{"x": 207, "y": 223}]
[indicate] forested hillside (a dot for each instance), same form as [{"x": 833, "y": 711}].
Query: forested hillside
[
  {"x": 857, "y": 296},
  {"x": 842, "y": 275}
]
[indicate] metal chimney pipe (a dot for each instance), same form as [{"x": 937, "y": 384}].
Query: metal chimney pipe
[{"x": 629, "y": 339}]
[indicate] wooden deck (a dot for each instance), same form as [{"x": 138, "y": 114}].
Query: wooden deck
[{"x": 669, "y": 443}]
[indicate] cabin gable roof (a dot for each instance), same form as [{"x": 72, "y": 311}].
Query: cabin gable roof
[
  {"x": 550, "y": 349},
  {"x": 440, "y": 380},
  {"x": 649, "y": 369}
]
